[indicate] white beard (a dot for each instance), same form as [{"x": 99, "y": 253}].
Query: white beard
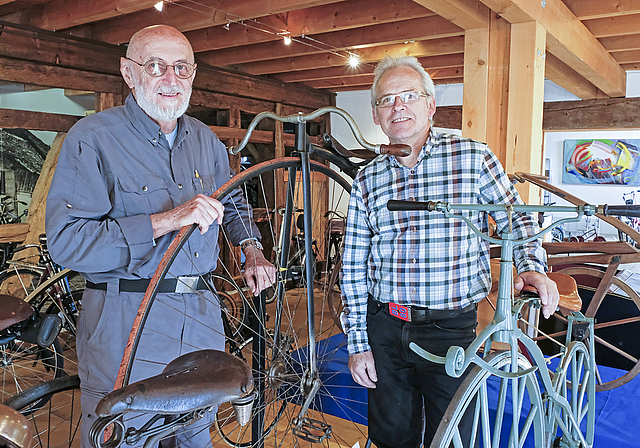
[{"x": 146, "y": 101}]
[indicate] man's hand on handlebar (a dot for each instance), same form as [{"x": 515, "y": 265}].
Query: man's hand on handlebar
[{"x": 547, "y": 290}]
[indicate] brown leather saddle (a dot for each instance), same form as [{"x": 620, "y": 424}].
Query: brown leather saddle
[{"x": 196, "y": 380}]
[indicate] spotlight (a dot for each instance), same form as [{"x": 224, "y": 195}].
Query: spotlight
[
  {"x": 226, "y": 27},
  {"x": 287, "y": 40},
  {"x": 354, "y": 60},
  {"x": 159, "y": 5}
]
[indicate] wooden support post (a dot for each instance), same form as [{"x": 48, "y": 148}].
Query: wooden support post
[
  {"x": 476, "y": 82},
  {"x": 106, "y": 100},
  {"x": 486, "y": 81},
  {"x": 498, "y": 97},
  {"x": 526, "y": 91}
]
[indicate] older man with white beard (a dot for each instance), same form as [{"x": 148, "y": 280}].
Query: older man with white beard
[{"x": 127, "y": 180}]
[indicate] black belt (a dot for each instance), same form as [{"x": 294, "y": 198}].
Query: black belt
[
  {"x": 418, "y": 314},
  {"x": 181, "y": 285}
]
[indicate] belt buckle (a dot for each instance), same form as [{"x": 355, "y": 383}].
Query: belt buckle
[
  {"x": 186, "y": 285},
  {"x": 399, "y": 311}
]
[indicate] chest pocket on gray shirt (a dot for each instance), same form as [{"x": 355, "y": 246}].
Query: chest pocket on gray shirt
[
  {"x": 208, "y": 185},
  {"x": 147, "y": 195}
]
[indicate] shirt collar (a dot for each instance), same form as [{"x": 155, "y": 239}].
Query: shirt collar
[
  {"x": 429, "y": 147},
  {"x": 149, "y": 128}
]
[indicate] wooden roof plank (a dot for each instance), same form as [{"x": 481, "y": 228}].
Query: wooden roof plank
[
  {"x": 318, "y": 19},
  {"x": 467, "y": 14},
  {"x": 429, "y": 47},
  {"x": 593, "y": 9},
  {"x": 394, "y": 32},
  {"x": 204, "y": 13}
]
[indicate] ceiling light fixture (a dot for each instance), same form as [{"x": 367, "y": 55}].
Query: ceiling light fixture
[
  {"x": 226, "y": 27},
  {"x": 287, "y": 40},
  {"x": 354, "y": 60},
  {"x": 159, "y": 5}
]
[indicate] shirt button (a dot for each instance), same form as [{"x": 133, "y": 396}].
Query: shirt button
[
  {"x": 69, "y": 206},
  {"x": 196, "y": 254},
  {"x": 414, "y": 261},
  {"x": 144, "y": 188},
  {"x": 414, "y": 229},
  {"x": 155, "y": 140},
  {"x": 346, "y": 311},
  {"x": 413, "y": 171},
  {"x": 180, "y": 186},
  {"x": 414, "y": 290}
]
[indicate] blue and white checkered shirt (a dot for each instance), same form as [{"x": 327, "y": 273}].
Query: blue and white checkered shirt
[{"x": 422, "y": 258}]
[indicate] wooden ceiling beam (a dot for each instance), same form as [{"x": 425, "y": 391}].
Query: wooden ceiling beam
[
  {"x": 319, "y": 19},
  {"x": 20, "y": 71},
  {"x": 594, "y": 9},
  {"x": 204, "y": 13},
  {"x": 61, "y": 14},
  {"x": 565, "y": 76},
  {"x": 467, "y": 14},
  {"x": 429, "y": 47},
  {"x": 60, "y": 50},
  {"x": 568, "y": 39},
  {"x": 395, "y": 32},
  {"x": 614, "y": 26}
]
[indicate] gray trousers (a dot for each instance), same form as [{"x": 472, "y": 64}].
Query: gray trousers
[{"x": 177, "y": 324}]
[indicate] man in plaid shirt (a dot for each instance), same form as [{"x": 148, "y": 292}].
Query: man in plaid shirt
[{"x": 424, "y": 273}]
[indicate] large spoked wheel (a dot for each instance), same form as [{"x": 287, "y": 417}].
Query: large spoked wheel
[
  {"x": 574, "y": 380},
  {"x": 473, "y": 417},
  {"x": 617, "y": 321},
  {"x": 273, "y": 337},
  {"x": 53, "y": 411}
]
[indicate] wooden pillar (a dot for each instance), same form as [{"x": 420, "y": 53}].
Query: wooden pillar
[
  {"x": 526, "y": 95},
  {"x": 106, "y": 100},
  {"x": 486, "y": 84},
  {"x": 234, "y": 163},
  {"x": 498, "y": 97},
  {"x": 476, "y": 83}
]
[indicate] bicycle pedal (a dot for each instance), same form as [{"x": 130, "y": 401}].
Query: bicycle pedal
[{"x": 311, "y": 430}]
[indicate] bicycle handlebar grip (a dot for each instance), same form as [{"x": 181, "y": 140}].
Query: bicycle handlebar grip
[
  {"x": 398, "y": 150},
  {"x": 396, "y": 206},
  {"x": 632, "y": 211}
]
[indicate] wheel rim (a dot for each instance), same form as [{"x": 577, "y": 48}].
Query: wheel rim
[{"x": 286, "y": 354}]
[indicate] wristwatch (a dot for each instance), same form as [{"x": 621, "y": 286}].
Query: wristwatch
[{"x": 251, "y": 242}]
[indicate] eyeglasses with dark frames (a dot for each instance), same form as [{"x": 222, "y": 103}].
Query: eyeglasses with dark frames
[
  {"x": 410, "y": 96},
  {"x": 157, "y": 68}
]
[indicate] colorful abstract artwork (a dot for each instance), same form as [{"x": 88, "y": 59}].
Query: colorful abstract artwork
[{"x": 601, "y": 161}]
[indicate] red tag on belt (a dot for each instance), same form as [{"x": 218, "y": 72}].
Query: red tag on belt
[{"x": 399, "y": 311}]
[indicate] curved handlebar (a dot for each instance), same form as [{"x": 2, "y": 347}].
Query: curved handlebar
[{"x": 396, "y": 150}]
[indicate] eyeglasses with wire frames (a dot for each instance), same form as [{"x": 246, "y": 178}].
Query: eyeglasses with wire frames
[
  {"x": 157, "y": 68},
  {"x": 410, "y": 96}
]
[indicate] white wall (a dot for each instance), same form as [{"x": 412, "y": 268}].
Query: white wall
[{"x": 358, "y": 105}]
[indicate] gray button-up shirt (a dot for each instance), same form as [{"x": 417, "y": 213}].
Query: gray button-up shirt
[{"x": 115, "y": 170}]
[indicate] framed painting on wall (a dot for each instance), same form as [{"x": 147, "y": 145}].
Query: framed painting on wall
[{"x": 601, "y": 161}]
